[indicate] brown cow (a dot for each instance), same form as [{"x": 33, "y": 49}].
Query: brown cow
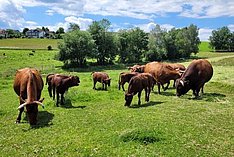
[
  {"x": 28, "y": 85},
  {"x": 195, "y": 76},
  {"x": 62, "y": 84},
  {"x": 136, "y": 85},
  {"x": 162, "y": 72},
  {"x": 101, "y": 77},
  {"x": 49, "y": 78},
  {"x": 133, "y": 68},
  {"x": 125, "y": 77},
  {"x": 176, "y": 66}
]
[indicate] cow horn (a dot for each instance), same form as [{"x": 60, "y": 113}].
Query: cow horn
[
  {"x": 39, "y": 103},
  {"x": 21, "y": 99},
  {"x": 182, "y": 82},
  {"x": 22, "y": 105}
]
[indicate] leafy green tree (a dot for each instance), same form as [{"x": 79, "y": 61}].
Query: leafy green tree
[
  {"x": 156, "y": 45},
  {"x": 104, "y": 40},
  {"x": 123, "y": 45},
  {"x": 220, "y": 39},
  {"x": 76, "y": 47},
  {"x": 25, "y": 30},
  {"x": 60, "y": 30},
  {"x": 132, "y": 45},
  {"x": 73, "y": 27}
]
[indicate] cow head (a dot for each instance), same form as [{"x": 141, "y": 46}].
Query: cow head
[
  {"x": 128, "y": 99},
  {"x": 107, "y": 81},
  {"x": 182, "y": 87},
  {"x": 75, "y": 80},
  {"x": 140, "y": 69},
  {"x": 32, "y": 110}
]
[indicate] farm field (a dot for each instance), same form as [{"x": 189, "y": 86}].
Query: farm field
[
  {"x": 96, "y": 122},
  {"x": 26, "y": 43}
]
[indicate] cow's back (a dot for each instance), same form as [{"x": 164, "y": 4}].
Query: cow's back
[
  {"x": 138, "y": 83},
  {"x": 22, "y": 78},
  {"x": 199, "y": 70},
  {"x": 99, "y": 76}
]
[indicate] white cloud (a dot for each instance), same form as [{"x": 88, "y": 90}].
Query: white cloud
[
  {"x": 82, "y": 22},
  {"x": 148, "y": 27},
  {"x": 204, "y": 34},
  {"x": 231, "y": 27}
]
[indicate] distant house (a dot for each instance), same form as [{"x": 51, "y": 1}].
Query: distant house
[
  {"x": 3, "y": 33},
  {"x": 35, "y": 33}
]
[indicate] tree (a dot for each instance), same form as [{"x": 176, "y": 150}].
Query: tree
[
  {"x": 156, "y": 45},
  {"x": 76, "y": 47},
  {"x": 220, "y": 39},
  {"x": 60, "y": 30},
  {"x": 104, "y": 40},
  {"x": 25, "y": 30},
  {"x": 133, "y": 44},
  {"x": 73, "y": 27}
]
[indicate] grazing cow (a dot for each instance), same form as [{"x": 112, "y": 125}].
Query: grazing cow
[
  {"x": 176, "y": 66},
  {"x": 62, "y": 84},
  {"x": 125, "y": 77},
  {"x": 136, "y": 85},
  {"x": 49, "y": 78},
  {"x": 161, "y": 72},
  {"x": 28, "y": 85},
  {"x": 195, "y": 76},
  {"x": 101, "y": 77}
]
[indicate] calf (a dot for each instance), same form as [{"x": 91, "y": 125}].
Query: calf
[
  {"x": 60, "y": 85},
  {"x": 49, "y": 78},
  {"x": 125, "y": 77},
  {"x": 136, "y": 85},
  {"x": 101, "y": 77},
  {"x": 195, "y": 76},
  {"x": 28, "y": 85}
]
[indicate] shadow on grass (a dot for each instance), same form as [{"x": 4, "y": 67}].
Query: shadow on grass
[
  {"x": 151, "y": 103},
  {"x": 44, "y": 120},
  {"x": 69, "y": 105},
  {"x": 213, "y": 97},
  {"x": 210, "y": 97},
  {"x": 142, "y": 136}
]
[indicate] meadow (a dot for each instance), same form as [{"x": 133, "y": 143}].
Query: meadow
[{"x": 96, "y": 122}]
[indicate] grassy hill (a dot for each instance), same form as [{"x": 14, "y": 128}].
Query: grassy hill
[{"x": 96, "y": 122}]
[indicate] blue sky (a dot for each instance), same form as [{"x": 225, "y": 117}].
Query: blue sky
[{"x": 206, "y": 14}]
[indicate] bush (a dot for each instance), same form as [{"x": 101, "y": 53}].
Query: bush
[{"x": 49, "y": 48}]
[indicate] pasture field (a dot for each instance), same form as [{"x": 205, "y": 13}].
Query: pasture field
[
  {"x": 26, "y": 43},
  {"x": 96, "y": 122}
]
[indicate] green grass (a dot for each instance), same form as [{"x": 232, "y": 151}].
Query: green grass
[
  {"x": 28, "y": 43},
  {"x": 204, "y": 47},
  {"x": 96, "y": 123}
]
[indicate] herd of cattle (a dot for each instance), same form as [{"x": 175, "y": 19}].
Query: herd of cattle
[{"x": 28, "y": 83}]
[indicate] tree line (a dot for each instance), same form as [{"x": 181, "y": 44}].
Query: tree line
[
  {"x": 128, "y": 45},
  {"x": 222, "y": 39}
]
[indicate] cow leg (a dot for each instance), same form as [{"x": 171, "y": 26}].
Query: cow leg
[
  {"x": 62, "y": 99},
  {"x": 53, "y": 92},
  {"x": 139, "y": 98},
  {"x": 94, "y": 84},
  {"x": 57, "y": 102},
  {"x": 50, "y": 90},
  {"x": 159, "y": 88},
  {"x": 123, "y": 87},
  {"x": 174, "y": 84},
  {"x": 202, "y": 89},
  {"x": 165, "y": 88},
  {"x": 19, "y": 116},
  {"x": 147, "y": 91}
]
